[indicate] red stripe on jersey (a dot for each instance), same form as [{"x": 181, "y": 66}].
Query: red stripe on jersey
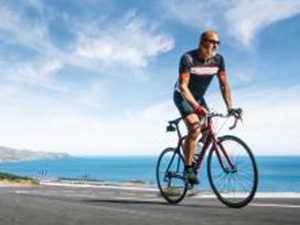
[
  {"x": 184, "y": 75},
  {"x": 222, "y": 73}
]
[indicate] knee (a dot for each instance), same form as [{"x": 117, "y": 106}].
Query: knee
[{"x": 194, "y": 132}]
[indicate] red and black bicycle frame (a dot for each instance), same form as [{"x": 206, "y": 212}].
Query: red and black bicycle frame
[{"x": 211, "y": 138}]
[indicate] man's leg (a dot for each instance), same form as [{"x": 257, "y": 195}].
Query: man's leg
[{"x": 190, "y": 145}]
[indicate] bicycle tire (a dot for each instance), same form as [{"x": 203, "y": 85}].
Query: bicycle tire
[
  {"x": 225, "y": 183},
  {"x": 169, "y": 175}
]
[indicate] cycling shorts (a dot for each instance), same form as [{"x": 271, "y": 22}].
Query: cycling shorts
[{"x": 184, "y": 107}]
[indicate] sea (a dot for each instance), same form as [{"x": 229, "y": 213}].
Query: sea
[{"x": 276, "y": 173}]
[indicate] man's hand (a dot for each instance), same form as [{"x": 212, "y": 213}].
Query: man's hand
[
  {"x": 237, "y": 113},
  {"x": 200, "y": 111}
]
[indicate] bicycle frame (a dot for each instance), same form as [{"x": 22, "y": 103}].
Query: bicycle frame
[{"x": 210, "y": 140}]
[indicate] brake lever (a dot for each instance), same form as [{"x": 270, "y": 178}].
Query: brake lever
[
  {"x": 235, "y": 123},
  {"x": 236, "y": 119}
]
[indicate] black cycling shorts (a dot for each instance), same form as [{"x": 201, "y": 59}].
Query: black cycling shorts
[{"x": 184, "y": 107}]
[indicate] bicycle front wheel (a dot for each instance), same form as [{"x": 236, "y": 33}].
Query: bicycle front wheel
[
  {"x": 234, "y": 185},
  {"x": 169, "y": 175}
]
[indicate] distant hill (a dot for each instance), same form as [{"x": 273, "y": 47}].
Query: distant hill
[{"x": 15, "y": 155}]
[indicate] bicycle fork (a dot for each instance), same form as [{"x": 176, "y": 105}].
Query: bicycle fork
[{"x": 219, "y": 149}]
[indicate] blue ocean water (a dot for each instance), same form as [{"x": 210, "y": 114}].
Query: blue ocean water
[{"x": 276, "y": 174}]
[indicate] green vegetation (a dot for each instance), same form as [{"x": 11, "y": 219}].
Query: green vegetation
[{"x": 11, "y": 178}]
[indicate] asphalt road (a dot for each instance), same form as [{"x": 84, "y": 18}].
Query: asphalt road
[{"x": 73, "y": 205}]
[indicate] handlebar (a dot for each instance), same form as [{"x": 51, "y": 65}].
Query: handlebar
[
  {"x": 212, "y": 114},
  {"x": 237, "y": 116}
]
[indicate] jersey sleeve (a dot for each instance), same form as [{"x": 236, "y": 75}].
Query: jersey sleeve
[
  {"x": 184, "y": 67},
  {"x": 222, "y": 71}
]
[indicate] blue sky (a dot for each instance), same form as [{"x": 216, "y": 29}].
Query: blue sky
[{"x": 96, "y": 77}]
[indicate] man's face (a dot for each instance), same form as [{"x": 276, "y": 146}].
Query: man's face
[{"x": 210, "y": 44}]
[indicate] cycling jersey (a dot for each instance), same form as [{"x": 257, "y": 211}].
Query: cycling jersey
[{"x": 200, "y": 72}]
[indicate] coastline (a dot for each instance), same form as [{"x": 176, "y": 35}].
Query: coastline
[
  {"x": 277, "y": 175},
  {"x": 135, "y": 187},
  {"x": 150, "y": 188}
]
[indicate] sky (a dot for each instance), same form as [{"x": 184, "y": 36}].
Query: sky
[{"x": 96, "y": 77}]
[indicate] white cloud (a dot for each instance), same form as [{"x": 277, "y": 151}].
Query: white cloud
[
  {"x": 21, "y": 30},
  {"x": 38, "y": 73},
  {"x": 37, "y": 120},
  {"x": 95, "y": 95},
  {"x": 130, "y": 42},
  {"x": 196, "y": 13},
  {"x": 271, "y": 126},
  {"x": 33, "y": 35},
  {"x": 37, "y": 4},
  {"x": 242, "y": 19},
  {"x": 44, "y": 124},
  {"x": 246, "y": 18},
  {"x": 271, "y": 119},
  {"x": 127, "y": 44}
]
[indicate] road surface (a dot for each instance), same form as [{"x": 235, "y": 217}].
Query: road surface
[{"x": 61, "y": 205}]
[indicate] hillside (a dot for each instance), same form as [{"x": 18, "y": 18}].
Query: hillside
[{"x": 15, "y": 155}]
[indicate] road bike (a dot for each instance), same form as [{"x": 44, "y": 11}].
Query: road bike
[{"x": 231, "y": 166}]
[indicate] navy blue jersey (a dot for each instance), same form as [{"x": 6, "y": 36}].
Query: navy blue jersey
[{"x": 199, "y": 72}]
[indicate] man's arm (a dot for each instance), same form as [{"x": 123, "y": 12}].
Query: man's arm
[
  {"x": 225, "y": 90},
  {"x": 183, "y": 86}
]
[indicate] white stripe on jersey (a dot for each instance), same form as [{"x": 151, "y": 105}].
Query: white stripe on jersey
[{"x": 204, "y": 70}]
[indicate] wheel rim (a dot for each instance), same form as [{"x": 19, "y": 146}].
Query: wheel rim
[
  {"x": 170, "y": 176},
  {"x": 238, "y": 185}
]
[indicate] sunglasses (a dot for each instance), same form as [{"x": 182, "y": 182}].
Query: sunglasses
[{"x": 213, "y": 41}]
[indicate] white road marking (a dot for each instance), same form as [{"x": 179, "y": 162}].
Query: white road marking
[
  {"x": 274, "y": 205},
  {"x": 109, "y": 187},
  {"x": 148, "y": 198},
  {"x": 272, "y": 195}
]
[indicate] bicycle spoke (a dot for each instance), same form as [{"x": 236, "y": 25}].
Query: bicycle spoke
[
  {"x": 236, "y": 186},
  {"x": 170, "y": 179}
]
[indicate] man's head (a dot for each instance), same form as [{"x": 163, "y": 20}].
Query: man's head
[{"x": 208, "y": 44}]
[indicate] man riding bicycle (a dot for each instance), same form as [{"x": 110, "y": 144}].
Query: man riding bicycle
[{"x": 196, "y": 71}]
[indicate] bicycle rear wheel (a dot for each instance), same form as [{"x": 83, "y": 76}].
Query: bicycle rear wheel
[
  {"x": 169, "y": 175},
  {"x": 235, "y": 187}
]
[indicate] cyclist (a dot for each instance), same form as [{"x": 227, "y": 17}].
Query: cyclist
[{"x": 196, "y": 71}]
